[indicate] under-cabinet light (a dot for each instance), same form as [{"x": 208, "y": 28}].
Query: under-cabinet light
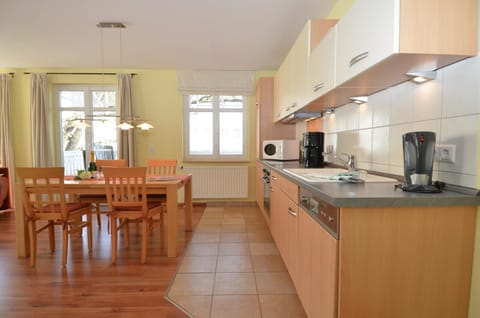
[{"x": 421, "y": 77}]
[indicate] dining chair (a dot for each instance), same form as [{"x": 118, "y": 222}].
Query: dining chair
[
  {"x": 158, "y": 168},
  {"x": 98, "y": 199},
  {"x": 46, "y": 200},
  {"x": 161, "y": 167},
  {"x": 127, "y": 201}
]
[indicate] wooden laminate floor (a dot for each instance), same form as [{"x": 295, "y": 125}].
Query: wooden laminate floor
[{"x": 90, "y": 286}]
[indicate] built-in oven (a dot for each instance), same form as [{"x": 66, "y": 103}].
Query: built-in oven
[{"x": 266, "y": 191}]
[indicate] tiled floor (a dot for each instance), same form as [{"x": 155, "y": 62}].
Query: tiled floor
[{"x": 232, "y": 268}]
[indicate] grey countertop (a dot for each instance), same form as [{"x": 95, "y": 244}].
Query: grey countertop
[{"x": 377, "y": 194}]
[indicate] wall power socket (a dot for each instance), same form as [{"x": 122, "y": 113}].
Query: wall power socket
[{"x": 445, "y": 153}]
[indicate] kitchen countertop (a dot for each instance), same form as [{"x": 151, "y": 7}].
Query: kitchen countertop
[{"x": 376, "y": 194}]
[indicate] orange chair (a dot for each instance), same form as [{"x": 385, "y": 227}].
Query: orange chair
[
  {"x": 98, "y": 199},
  {"x": 127, "y": 201},
  {"x": 45, "y": 199},
  {"x": 159, "y": 167}
]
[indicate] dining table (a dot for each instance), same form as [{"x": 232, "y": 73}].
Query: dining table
[{"x": 167, "y": 185}]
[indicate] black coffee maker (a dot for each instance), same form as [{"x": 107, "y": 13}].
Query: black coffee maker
[
  {"x": 418, "y": 156},
  {"x": 312, "y": 150}
]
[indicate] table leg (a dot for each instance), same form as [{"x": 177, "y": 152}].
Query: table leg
[
  {"x": 188, "y": 206},
  {"x": 172, "y": 209},
  {"x": 20, "y": 224}
]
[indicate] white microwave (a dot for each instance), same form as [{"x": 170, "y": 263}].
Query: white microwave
[{"x": 281, "y": 149}]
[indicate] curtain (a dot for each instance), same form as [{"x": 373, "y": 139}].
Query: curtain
[
  {"x": 125, "y": 102},
  {"x": 216, "y": 82},
  {"x": 41, "y": 146},
  {"x": 7, "y": 154}
]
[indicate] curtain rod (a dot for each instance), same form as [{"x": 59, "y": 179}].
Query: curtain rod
[{"x": 61, "y": 73}]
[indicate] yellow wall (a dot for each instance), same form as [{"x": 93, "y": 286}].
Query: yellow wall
[{"x": 156, "y": 99}]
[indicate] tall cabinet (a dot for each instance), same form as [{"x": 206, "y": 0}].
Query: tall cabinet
[{"x": 266, "y": 128}]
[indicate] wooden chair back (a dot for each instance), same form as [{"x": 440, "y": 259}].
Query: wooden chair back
[
  {"x": 126, "y": 189},
  {"x": 161, "y": 167},
  {"x": 117, "y": 163},
  {"x": 43, "y": 192}
]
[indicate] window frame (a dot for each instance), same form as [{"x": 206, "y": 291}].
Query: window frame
[
  {"x": 216, "y": 110},
  {"x": 87, "y": 89}
]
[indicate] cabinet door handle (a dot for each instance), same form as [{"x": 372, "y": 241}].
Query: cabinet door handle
[
  {"x": 317, "y": 87},
  {"x": 291, "y": 212},
  {"x": 358, "y": 58}
]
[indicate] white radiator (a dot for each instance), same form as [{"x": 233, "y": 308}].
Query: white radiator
[{"x": 219, "y": 182}]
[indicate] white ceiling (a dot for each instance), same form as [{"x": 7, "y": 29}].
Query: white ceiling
[{"x": 160, "y": 34}]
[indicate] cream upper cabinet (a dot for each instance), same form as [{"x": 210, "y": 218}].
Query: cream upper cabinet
[
  {"x": 398, "y": 36},
  {"x": 321, "y": 68},
  {"x": 291, "y": 78},
  {"x": 367, "y": 34}
]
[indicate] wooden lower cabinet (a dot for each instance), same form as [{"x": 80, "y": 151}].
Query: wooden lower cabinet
[
  {"x": 317, "y": 268},
  {"x": 413, "y": 262}
]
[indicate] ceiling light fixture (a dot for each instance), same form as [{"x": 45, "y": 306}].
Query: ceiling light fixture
[
  {"x": 421, "y": 77},
  {"x": 359, "y": 99},
  {"x": 329, "y": 111},
  {"x": 125, "y": 123}
]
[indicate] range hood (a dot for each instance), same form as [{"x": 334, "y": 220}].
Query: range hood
[{"x": 301, "y": 116}]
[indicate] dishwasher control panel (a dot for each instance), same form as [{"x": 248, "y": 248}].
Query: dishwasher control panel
[{"x": 325, "y": 213}]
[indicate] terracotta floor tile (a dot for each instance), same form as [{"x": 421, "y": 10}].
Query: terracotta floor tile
[
  {"x": 263, "y": 249},
  {"x": 234, "y": 228},
  {"x": 198, "y": 264},
  {"x": 234, "y": 283},
  {"x": 268, "y": 263},
  {"x": 233, "y": 220},
  {"x": 234, "y": 249},
  {"x": 206, "y": 238},
  {"x": 274, "y": 283},
  {"x": 196, "y": 306},
  {"x": 202, "y": 249},
  {"x": 235, "y": 306},
  {"x": 257, "y": 228},
  {"x": 192, "y": 284},
  {"x": 281, "y": 306},
  {"x": 209, "y": 228},
  {"x": 211, "y": 220},
  {"x": 234, "y": 238},
  {"x": 234, "y": 264},
  {"x": 260, "y": 237},
  {"x": 233, "y": 214}
]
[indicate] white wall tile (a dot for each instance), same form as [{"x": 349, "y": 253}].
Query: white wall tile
[
  {"x": 462, "y": 132},
  {"x": 365, "y": 116},
  {"x": 329, "y": 124},
  {"x": 428, "y": 99},
  {"x": 347, "y": 142},
  {"x": 364, "y": 152},
  {"x": 330, "y": 139},
  {"x": 461, "y": 86},
  {"x": 428, "y": 125},
  {"x": 341, "y": 117},
  {"x": 380, "y": 145},
  {"x": 402, "y": 103},
  {"x": 353, "y": 116},
  {"x": 457, "y": 178},
  {"x": 395, "y": 154},
  {"x": 381, "y": 108},
  {"x": 380, "y": 168}
]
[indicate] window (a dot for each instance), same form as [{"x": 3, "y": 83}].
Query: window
[
  {"x": 215, "y": 127},
  {"x": 87, "y": 117}
]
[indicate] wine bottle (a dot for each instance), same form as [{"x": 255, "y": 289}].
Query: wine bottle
[{"x": 92, "y": 166}]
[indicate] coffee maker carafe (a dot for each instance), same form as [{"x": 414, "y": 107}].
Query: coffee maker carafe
[
  {"x": 312, "y": 150},
  {"x": 418, "y": 156}
]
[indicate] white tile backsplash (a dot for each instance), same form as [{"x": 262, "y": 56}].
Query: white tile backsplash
[
  {"x": 461, "y": 85},
  {"x": 402, "y": 103},
  {"x": 380, "y": 103},
  {"x": 448, "y": 105}
]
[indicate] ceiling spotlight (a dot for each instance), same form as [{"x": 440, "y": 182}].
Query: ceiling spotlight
[
  {"x": 421, "y": 77},
  {"x": 329, "y": 111},
  {"x": 359, "y": 99}
]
